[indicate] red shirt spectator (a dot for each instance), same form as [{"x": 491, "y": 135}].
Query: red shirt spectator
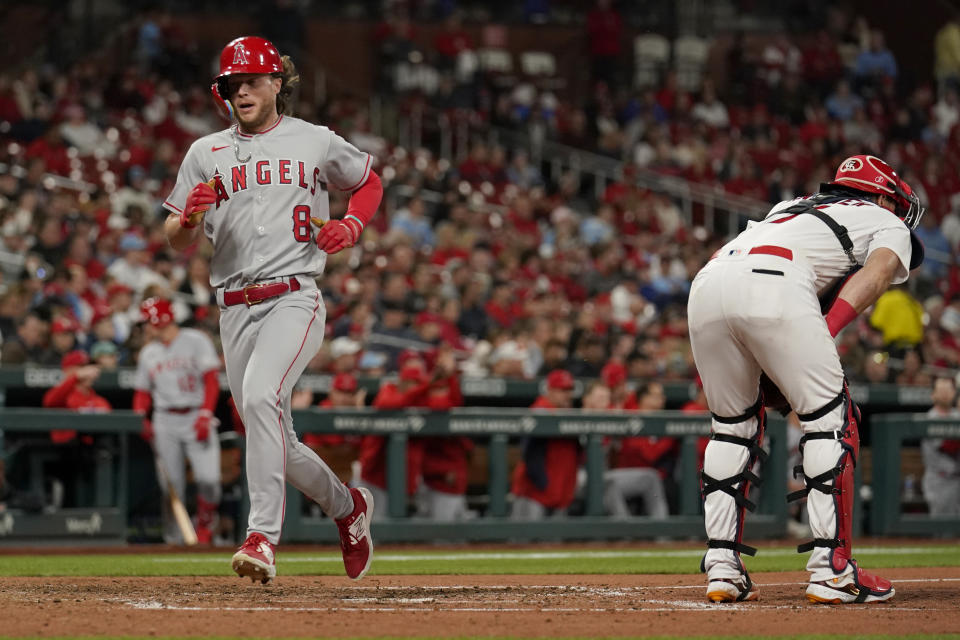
[
  {"x": 76, "y": 392},
  {"x": 410, "y": 391},
  {"x": 445, "y": 460}
]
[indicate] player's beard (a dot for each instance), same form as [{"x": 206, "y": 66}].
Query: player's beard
[{"x": 264, "y": 115}]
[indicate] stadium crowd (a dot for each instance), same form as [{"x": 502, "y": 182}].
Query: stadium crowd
[{"x": 481, "y": 265}]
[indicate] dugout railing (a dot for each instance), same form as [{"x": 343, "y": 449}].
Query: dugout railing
[
  {"x": 493, "y": 428},
  {"x": 476, "y": 391},
  {"x": 891, "y": 434}
]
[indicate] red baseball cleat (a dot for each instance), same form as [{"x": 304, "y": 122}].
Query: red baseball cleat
[
  {"x": 856, "y": 587},
  {"x": 356, "y": 543},
  {"x": 255, "y": 559}
]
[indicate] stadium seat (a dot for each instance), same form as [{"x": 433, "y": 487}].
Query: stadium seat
[
  {"x": 689, "y": 58},
  {"x": 651, "y": 53}
]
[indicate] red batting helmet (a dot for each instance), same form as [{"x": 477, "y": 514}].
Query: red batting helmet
[
  {"x": 156, "y": 311},
  {"x": 248, "y": 54},
  {"x": 873, "y": 175}
]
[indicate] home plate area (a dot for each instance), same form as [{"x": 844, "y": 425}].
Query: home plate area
[{"x": 452, "y": 606}]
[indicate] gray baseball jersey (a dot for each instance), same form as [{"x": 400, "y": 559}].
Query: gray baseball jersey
[
  {"x": 173, "y": 374},
  {"x": 260, "y": 224}
]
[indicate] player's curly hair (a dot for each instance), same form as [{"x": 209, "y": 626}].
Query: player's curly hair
[{"x": 291, "y": 79}]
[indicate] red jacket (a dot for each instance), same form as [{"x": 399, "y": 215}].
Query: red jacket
[
  {"x": 373, "y": 449},
  {"x": 644, "y": 451},
  {"x": 445, "y": 463},
  {"x": 67, "y": 395},
  {"x": 559, "y": 462}
]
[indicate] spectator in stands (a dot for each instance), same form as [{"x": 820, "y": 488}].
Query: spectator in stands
[
  {"x": 75, "y": 391},
  {"x": 26, "y": 346},
  {"x": 604, "y": 42},
  {"x": 710, "y": 110},
  {"x": 946, "y": 46},
  {"x": 912, "y": 373},
  {"x": 411, "y": 390},
  {"x": 876, "y": 63},
  {"x": 941, "y": 457},
  {"x": 842, "y": 103},
  {"x": 639, "y": 465},
  {"x": 899, "y": 317},
  {"x": 133, "y": 269},
  {"x": 344, "y": 355},
  {"x": 63, "y": 339},
  {"x": 105, "y": 355},
  {"x": 412, "y": 222},
  {"x": 876, "y": 367},
  {"x": 545, "y": 481}
]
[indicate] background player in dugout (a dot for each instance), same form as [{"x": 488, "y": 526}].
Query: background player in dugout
[
  {"x": 176, "y": 378},
  {"x": 254, "y": 189},
  {"x": 757, "y": 307}
]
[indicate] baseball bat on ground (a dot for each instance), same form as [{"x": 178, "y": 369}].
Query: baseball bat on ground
[{"x": 180, "y": 515}]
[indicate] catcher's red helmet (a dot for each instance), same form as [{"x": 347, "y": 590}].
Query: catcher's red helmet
[
  {"x": 873, "y": 175},
  {"x": 156, "y": 311}
]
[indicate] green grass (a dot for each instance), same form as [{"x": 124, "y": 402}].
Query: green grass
[
  {"x": 460, "y": 562},
  {"x": 947, "y": 636}
]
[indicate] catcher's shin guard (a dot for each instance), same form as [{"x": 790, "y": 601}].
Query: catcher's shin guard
[
  {"x": 734, "y": 448},
  {"x": 829, "y": 453}
]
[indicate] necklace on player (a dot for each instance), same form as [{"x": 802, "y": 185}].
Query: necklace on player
[{"x": 236, "y": 146}]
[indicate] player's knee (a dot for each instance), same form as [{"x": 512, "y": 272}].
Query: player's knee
[
  {"x": 256, "y": 399},
  {"x": 820, "y": 456}
]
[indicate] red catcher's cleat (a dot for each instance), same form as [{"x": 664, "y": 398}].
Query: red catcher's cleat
[
  {"x": 255, "y": 559},
  {"x": 356, "y": 543},
  {"x": 856, "y": 587}
]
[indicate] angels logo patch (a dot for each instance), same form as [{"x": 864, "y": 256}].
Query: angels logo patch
[{"x": 240, "y": 54}]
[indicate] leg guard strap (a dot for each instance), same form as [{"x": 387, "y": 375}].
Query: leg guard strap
[
  {"x": 726, "y": 485},
  {"x": 819, "y": 542},
  {"x": 754, "y": 409}
]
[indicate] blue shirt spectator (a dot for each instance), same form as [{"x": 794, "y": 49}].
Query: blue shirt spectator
[{"x": 877, "y": 60}]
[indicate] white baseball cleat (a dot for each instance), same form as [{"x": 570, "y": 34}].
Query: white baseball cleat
[{"x": 739, "y": 589}]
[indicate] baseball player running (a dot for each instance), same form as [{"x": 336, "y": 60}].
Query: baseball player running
[
  {"x": 177, "y": 376},
  {"x": 253, "y": 190},
  {"x": 756, "y": 306}
]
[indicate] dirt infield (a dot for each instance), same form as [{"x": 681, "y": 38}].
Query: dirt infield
[{"x": 445, "y": 606}]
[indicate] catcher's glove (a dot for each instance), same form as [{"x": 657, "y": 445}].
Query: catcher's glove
[
  {"x": 198, "y": 203},
  {"x": 773, "y": 398}
]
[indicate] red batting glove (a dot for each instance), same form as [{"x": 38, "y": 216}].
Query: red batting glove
[
  {"x": 198, "y": 202},
  {"x": 337, "y": 235},
  {"x": 202, "y": 426},
  {"x": 147, "y": 431}
]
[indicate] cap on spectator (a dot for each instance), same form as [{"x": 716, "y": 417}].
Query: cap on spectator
[
  {"x": 412, "y": 373},
  {"x": 560, "y": 379},
  {"x": 101, "y": 312},
  {"x": 426, "y": 317},
  {"x": 132, "y": 242},
  {"x": 343, "y": 346},
  {"x": 613, "y": 374},
  {"x": 406, "y": 356},
  {"x": 117, "y": 288},
  {"x": 74, "y": 358},
  {"x": 509, "y": 350},
  {"x": 103, "y": 348},
  {"x": 63, "y": 325},
  {"x": 345, "y": 382}
]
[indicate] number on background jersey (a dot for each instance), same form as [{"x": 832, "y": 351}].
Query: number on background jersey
[
  {"x": 301, "y": 223},
  {"x": 187, "y": 383}
]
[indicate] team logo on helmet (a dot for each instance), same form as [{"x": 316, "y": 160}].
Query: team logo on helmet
[
  {"x": 852, "y": 164},
  {"x": 240, "y": 54}
]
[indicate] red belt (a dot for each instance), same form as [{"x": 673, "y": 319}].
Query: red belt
[
  {"x": 256, "y": 293},
  {"x": 772, "y": 250},
  {"x": 178, "y": 409}
]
